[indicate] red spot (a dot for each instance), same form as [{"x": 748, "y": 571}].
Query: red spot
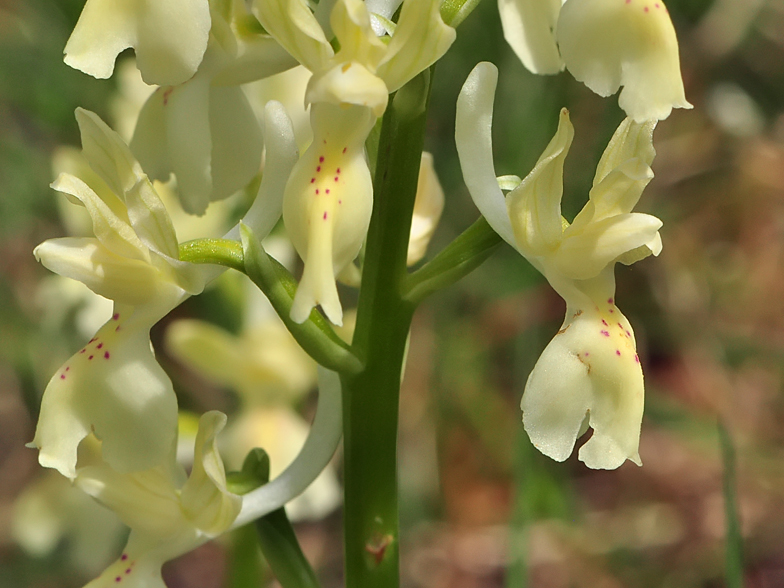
[
  {"x": 99, "y": 345},
  {"x": 106, "y": 355},
  {"x": 617, "y": 352},
  {"x": 344, "y": 149},
  {"x": 312, "y": 180},
  {"x": 646, "y": 9},
  {"x": 325, "y": 215},
  {"x": 636, "y": 358},
  {"x": 318, "y": 169},
  {"x": 605, "y": 333},
  {"x": 610, "y": 301},
  {"x": 586, "y": 354},
  {"x": 604, "y": 322},
  {"x": 116, "y": 316},
  {"x": 321, "y": 159},
  {"x": 340, "y": 202},
  {"x": 68, "y": 367},
  {"x": 611, "y": 310},
  {"x": 336, "y": 178},
  {"x": 124, "y": 556},
  {"x": 91, "y": 357},
  {"x": 82, "y": 351},
  {"x": 128, "y": 571},
  {"x": 620, "y": 326},
  {"x": 62, "y": 376},
  {"x": 327, "y": 190},
  {"x": 317, "y": 191},
  {"x": 656, "y": 5},
  {"x": 628, "y": 1},
  {"x": 337, "y": 171},
  {"x": 118, "y": 579},
  {"x": 628, "y": 334},
  {"x": 91, "y": 340}
]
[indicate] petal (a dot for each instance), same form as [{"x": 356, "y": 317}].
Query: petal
[
  {"x": 428, "y": 206},
  {"x": 607, "y": 44},
  {"x": 589, "y": 371},
  {"x": 236, "y": 141},
  {"x": 169, "y": 38},
  {"x": 206, "y": 502},
  {"x": 535, "y": 205},
  {"x": 111, "y": 159},
  {"x": 126, "y": 280},
  {"x": 293, "y": 25},
  {"x": 113, "y": 387},
  {"x": 421, "y": 38},
  {"x": 112, "y": 231},
  {"x": 145, "y": 501},
  {"x": 348, "y": 83},
  {"x": 631, "y": 140},
  {"x": 529, "y": 27},
  {"x": 383, "y": 8},
  {"x": 281, "y": 157},
  {"x": 350, "y": 22},
  {"x": 327, "y": 204},
  {"x": 473, "y": 137},
  {"x": 585, "y": 253},
  {"x": 556, "y": 400}
]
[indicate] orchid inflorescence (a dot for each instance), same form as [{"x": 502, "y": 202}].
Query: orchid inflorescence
[{"x": 109, "y": 415}]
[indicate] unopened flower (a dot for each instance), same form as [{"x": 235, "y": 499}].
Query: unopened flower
[
  {"x": 590, "y": 374},
  {"x": 168, "y": 514},
  {"x": 113, "y": 386},
  {"x": 169, "y": 37},
  {"x": 605, "y": 44}
]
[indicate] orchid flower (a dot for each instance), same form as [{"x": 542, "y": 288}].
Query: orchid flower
[
  {"x": 168, "y": 514},
  {"x": 169, "y": 37},
  {"x": 329, "y": 196},
  {"x": 605, "y": 44},
  {"x": 133, "y": 260},
  {"x": 590, "y": 374}
]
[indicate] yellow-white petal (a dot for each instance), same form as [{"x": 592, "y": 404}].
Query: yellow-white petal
[
  {"x": 421, "y": 38},
  {"x": 473, "y": 138},
  {"x": 588, "y": 375},
  {"x": 293, "y": 25},
  {"x": 114, "y": 388},
  {"x": 535, "y": 205},
  {"x": 327, "y": 204},
  {"x": 529, "y": 28},
  {"x": 169, "y": 37},
  {"x": 348, "y": 83},
  {"x": 631, "y": 43},
  {"x": 206, "y": 502}
]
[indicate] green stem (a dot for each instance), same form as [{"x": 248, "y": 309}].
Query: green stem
[
  {"x": 370, "y": 398},
  {"x": 458, "y": 259},
  {"x": 315, "y": 335},
  {"x": 223, "y": 252},
  {"x": 734, "y": 548}
]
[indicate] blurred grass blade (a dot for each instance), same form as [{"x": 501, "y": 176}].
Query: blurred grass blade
[
  {"x": 734, "y": 554},
  {"x": 282, "y": 551}
]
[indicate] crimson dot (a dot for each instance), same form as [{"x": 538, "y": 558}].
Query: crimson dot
[
  {"x": 321, "y": 159},
  {"x": 617, "y": 352},
  {"x": 336, "y": 178},
  {"x": 99, "y": 345},
  {"x": 124, "y": 556},
  {"x": 318, "y": 169},
  {"x": 106, "y": 355},
  {"x": 327, "y": 190},
  {"x": 62, "y": 376},
  {"x": 312, "y": 180},
  {"x": 116, "y": 316},
  {"x": 325, "y": 215},
  {"x": 91, "y": 357}
]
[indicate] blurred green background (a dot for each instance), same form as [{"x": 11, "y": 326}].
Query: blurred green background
[{"x": 480, "y": 507}]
